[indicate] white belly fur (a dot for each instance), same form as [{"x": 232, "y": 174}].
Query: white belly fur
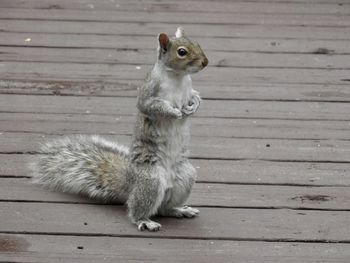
[{"x": 178, "y": 92}]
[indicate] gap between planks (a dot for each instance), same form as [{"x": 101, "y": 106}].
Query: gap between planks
[
  {"x": 199, "y": 206},
  {"x": 9, "y": 176},
  {"x": 164, "y": 250},
  {"x": 224, "y": 109},
  {"x": 151, "y": 64},
  {"x": 251, "y": 7},
  {"x": 154, "y": 34},
  {"x": 242, "y": 172},
  {"x": 250, "y": 223},
  {"x": 214, "y": 117},
  {"x": 222, "y": 159},
  {"x": 204, "y": 195},
  {"x": 320, "y": 139},
  {"x": 344, "y": 241},
  {"x": 315, "y": 52},
  {"x": 298, "y": 151},
  {"x": 32, "y": 71},
  {"x": 71, "y": 124},
  {"x": 239, "y": 92},
  {"x": 203, "y": 98},
  {"x": 128, "y": 22}
]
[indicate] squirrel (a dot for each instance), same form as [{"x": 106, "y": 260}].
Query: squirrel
[{"x": 153, "y": 176}]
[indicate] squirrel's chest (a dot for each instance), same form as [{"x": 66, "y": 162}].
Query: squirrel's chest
[{"x": 176, "y": 91}]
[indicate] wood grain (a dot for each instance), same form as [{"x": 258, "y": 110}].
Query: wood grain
[
  {"x": 240, "y": 91},
  {"x": 206, "y": 194},
  {"x": 213, "y": 223},
  {"x": 243, "y": 172},
  {"x": 264, "y": 7},
  {"x": 58, "y": 124},
  {"x": 194, "y": 30},
  {"x": 118, "y": 107},
  {"x": 168, "y": 16},
  {"x": 146, "y": 57},
  {"x": 39, "y": 248},
  {"x": 134, "y": 42},
  {"x": 218, "y": 75},
  {"x": 217, "y": 148}
]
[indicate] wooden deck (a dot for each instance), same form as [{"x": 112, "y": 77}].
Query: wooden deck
[{"x": 271, "y": 141}]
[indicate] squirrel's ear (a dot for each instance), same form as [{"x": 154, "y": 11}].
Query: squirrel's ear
[
  {"x": 179, "y": 32},
  {"x": 163, "y": 41}
]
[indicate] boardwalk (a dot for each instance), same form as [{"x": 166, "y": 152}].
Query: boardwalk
[{"x": 271, "y": 140}]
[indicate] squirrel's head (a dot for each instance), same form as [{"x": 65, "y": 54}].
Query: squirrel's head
[{"x": 181, "y": 54}]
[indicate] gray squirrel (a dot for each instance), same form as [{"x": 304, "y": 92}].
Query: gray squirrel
[{"x": 153, "y": 176}]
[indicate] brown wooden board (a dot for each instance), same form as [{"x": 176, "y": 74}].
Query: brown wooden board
[
  {"x": 194, "y": 30},
  {"x": 266, "y": 7},
  {"x": 190, "y": 17},
  {"x": 206, "y": 194},
  {"x": 248, "y": 91},
  {"x": 118, "y": 107},
  {"x": 229, "y": 171},
  {"x": 136, "y": 42},
  {"x": 218, "y": 75},
  {"x": 213, "y": 223},
  {"x": 146, "y": 57},
  {"x": 58, "y": 124},
  {"x": 217, "y": 148},
  {"x": 51, "y": 248}
]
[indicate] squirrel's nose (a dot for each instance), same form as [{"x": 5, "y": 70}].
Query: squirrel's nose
[{"x": 205, "y": 62}]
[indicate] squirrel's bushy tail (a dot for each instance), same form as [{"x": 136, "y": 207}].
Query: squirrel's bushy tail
[{"x": 87, "y": 165}]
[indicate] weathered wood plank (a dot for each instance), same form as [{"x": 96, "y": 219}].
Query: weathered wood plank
[
  {"x": 193, "y": 30},
  {"x": 118, "y": 107},
  {"x": 191, "y": 17},
  {"x": 239, "y": 91},
  {"x": 120, "y": 88},
  {"x": 15, "y": 164},
  {"x": 206, "y": 194},
  {"x": 237, "y": 44},
  {"x": 223, "y": 75},
  {"x": 268, "y": 7},
  {"x": 58, "y": 124},
  {"x": 254, "y": 224},
  {"x": 218, "y": 148},
  {"x": 146, "y": 57},
  {"x": 235, "y": 172},
  {"x": 270, "y": 196},
  {"x": 39, "y": 248}
]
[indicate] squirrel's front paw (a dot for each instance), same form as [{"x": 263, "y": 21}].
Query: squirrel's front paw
[
  {"x": 148, "y": 224},
  {"x": 193, "y": 106},
  {"x": 177, "y": 113},
  {"x": 190, "y": 109}
]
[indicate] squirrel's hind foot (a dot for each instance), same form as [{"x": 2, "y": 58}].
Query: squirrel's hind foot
[
  {"x": 188, "y": 211},
  {"x": 179, "y": 212},
  {"x": 148, "y": 224}
]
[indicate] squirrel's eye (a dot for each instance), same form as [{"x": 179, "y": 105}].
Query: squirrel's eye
[{"x": 182, "y": 52}]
